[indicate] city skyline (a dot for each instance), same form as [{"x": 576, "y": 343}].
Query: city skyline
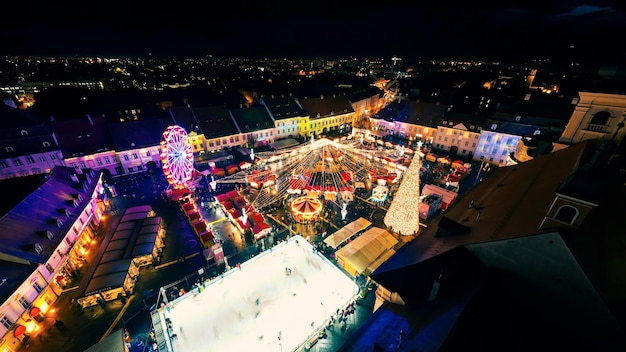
[{"x": 321, "y": 29}]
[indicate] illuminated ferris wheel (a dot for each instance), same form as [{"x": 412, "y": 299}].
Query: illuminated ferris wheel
[{"x": 176, "y": 156}]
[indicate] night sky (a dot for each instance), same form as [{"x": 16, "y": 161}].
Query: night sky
[{"x": 446, "y": 30}]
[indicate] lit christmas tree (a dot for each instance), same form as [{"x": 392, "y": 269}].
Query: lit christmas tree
[{"x": 403, "y": 215}]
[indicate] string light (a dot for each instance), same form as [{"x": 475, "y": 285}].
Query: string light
[
  {"x": 402, "y": 217},
  {"x": 330, "y": 167}
]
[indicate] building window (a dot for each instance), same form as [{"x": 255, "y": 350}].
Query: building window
[
  {"x": 4, "y": 164},
  {"x": 17, "y": 162},
  {"x": 30, "y": 159},
  {"x": 600, "y": 118},
  {"x": 42, "y": 158},
  {"x": 37, "y": 287},
  {"x": 135, "y": 155},
  {"x": 126, "y": 158},
  {"x": 24, "y": 302},
  {"x": 566, "y": 214},
  {"x": 6, "y": 322}
]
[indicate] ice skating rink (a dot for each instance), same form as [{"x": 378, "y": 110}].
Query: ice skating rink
[{"x": 260, "y": 306}]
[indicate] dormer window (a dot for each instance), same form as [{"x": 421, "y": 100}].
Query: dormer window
[
  {"x": 566, "y": 214},
  {"x": 494, "y": 126},
  {"x": 518, "y": 118},
  {"x": 24, "y": 133},
  {"x": 9, "y": 149}
]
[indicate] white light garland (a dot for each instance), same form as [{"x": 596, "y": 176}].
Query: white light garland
[{"x": 322, "y": 160}]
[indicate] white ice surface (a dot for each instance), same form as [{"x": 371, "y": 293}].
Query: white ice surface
[{"x": 225, "y": 315}]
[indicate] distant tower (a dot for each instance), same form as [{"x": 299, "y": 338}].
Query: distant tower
[
  {"x": 531, "y": 77},
  {"x": 397, "y": 61},
  {"x": 403, "y": 215}
]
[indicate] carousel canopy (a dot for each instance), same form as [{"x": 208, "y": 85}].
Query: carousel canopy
[{"x": 306, "y": 205}]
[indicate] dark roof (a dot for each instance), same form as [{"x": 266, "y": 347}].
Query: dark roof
[
  {"x": 23, "y": 133},
  {"x": 16, "y": 189},
  {"x": 84, "y": 136},
  {"x": 254, "y": 118},
  {"x": 460, "y": 304},
  {"x": 530, "y": 120},
  {"x": 464, "y": 118},
  {"x": 215, "y": 121},
  {"x": 527, "y": 126},
  {"x": 184, "y": 117},
  {"x": 12, "y": 276},
  {"x": 14, "y": 118},
  {"x": 543, "y": 106},
  {"x": 365, "y": 93},
  {"x": 325, "y": 106},
  {"x": 415, "y": 112},
  {"x": 138, "y": 134},
  {"x": 49, "y": 208},
  {"x": 588, "y": 181},
  {"x": 283, "y": 107}
]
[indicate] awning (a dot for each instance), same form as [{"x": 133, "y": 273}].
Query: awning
[
  {"x": 19, "y": 331},
  {"x": 34, "y": 311}
]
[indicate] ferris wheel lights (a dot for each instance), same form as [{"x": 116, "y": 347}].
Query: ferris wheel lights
[{"x": 176, "y": 156}]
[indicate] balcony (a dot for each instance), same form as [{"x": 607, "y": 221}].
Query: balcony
[{"x": 600, "y": 129}]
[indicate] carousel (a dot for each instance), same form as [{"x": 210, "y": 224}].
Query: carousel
[{"x": 306, "y": 209}]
